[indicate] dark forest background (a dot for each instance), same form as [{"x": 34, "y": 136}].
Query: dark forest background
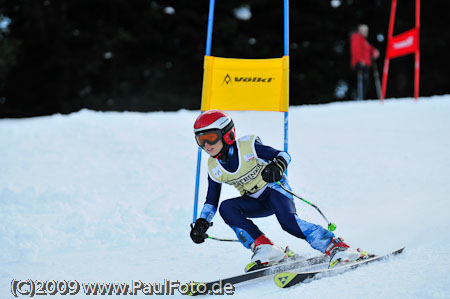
[{"x": 59, "y": 56}]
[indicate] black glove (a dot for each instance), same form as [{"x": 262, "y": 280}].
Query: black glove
[
  {"x": 273, "y": 172},
  {"x": 198, "y": 230}
]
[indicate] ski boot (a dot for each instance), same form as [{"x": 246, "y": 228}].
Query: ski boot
[
  {"x": 265, "y": 254},
  {"x": 340, "y": 252}
]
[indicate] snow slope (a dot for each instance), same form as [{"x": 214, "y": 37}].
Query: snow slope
[{"x": 107, "y": 197}]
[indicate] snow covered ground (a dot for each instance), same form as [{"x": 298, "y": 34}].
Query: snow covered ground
[{"x": 107, "y": 197}]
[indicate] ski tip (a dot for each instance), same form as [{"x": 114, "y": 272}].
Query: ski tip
[
  {"x": 398, "y": 251},
  {"x": 283, "y": 279}
]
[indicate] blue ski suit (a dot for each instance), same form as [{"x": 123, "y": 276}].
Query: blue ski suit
[{"x": 272, "y": 199}]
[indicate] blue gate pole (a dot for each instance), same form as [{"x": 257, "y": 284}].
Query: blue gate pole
[
  {"x": 286, "y": 27},
  {"x": 197, "y": 183},
  {"x": 286, "y": 53},
  {"x": 199, "y": 155},
  {"x": 210, "y": 27}
]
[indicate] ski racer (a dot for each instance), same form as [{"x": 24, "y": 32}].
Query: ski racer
[{"x": 254, "y": 170}]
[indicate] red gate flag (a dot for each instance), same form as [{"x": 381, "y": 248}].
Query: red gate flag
[{"x": 403, "y": 44}]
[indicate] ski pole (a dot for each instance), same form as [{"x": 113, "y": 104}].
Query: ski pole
[
  {"x": 376, "y": 78},
  {"x": 220, "y": 239},
  {"x": 331, "y": 226},
  {"x": 206, "y": 236}
]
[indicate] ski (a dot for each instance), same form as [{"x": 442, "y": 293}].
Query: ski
[
  {"x": 290, "y": 264},
  {"x": 289, "y": 279}
]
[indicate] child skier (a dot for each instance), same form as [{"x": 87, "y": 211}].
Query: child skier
[{"x": 254, "y": 169}]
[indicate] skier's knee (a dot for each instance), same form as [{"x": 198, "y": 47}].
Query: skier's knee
[{"x": 225, "y": 210}]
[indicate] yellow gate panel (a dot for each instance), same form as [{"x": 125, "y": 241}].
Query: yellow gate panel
[{"x": 246, "y": 84}]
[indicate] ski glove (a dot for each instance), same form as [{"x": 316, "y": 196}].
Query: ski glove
[
  {"x": 198, "y": 230},
  {"x": 273, "y": 172}
]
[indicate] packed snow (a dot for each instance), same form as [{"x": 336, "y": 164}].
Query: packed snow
[{"x": 108, "y": 197}]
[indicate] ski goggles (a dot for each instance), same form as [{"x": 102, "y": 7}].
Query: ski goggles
[{"x": 212, "y": 137}]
